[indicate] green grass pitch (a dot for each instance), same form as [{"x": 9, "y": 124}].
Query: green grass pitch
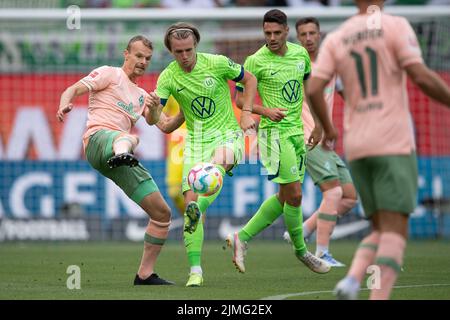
[{"x": 38, "y": 271}]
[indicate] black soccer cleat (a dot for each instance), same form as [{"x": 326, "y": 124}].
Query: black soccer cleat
[
  {"x": 152, "y": 280},
  {"x": 122, "y": 159}
]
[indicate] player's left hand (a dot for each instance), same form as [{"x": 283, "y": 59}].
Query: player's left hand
[{"x": 315, "y": 137}]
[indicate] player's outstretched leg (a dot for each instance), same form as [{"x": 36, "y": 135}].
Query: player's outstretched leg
[
  {"x": 191, "y": 217},
  {"x": 123, "y": 159},
  {"x": 239, "y": 250}
]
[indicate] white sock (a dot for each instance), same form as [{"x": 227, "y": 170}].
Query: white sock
[
  {"x": 122, "y": 145},
  {"x": 196, "y": 269},
  {"x": 321, "y": 249}
]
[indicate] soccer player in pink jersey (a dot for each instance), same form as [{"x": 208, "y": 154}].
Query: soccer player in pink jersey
[
  {"x": 326, "y": 168},
  {"x": 115, "y": 104},
  {"x": 373, "y": 52}
]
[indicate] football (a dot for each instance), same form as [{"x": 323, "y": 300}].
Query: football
[{"x": 205, "y": 179}]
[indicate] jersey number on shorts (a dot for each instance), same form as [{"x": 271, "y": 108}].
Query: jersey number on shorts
[{"x": 373, "y": 71}]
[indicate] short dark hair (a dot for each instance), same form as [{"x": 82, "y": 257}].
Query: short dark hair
[
  {"x": 181, "y": 30},
  {"x": 144, "y": 40},
  {"x": 276, "y": 16},
  {"x": 307, "y": 20}
]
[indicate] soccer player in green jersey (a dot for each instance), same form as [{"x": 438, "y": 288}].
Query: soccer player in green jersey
[
  {"x": 326, "y": 168},
  {"x": 281, "y": 69},
  {"x": 199, "y": 82}
]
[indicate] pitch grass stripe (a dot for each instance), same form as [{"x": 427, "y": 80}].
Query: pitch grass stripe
[{"x": 307, "y": 293}]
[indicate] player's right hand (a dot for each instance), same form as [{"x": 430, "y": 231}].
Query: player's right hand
[
  {"x": 275, "y": 114},
  {"x": 62, "y": 111},
  {"x": 329, "y": 139},
  {"x": 248, "y": 125}
]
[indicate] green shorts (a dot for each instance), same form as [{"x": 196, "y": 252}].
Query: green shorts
[
  {"x": 195, "y": 152},
  {"x": 386, "y": 183},
  {"x": 325, "y": 165},
  {"x": 136, "y": 182},
  {"x": 283, "y": 156}
]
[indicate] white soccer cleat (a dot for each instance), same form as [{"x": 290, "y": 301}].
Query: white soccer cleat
[
  {"x": 347, "y": 289},
  {"x": 239, "y": 250},
  {"x": 331, "y": 261},
  {"x": 313, "y": 263}
]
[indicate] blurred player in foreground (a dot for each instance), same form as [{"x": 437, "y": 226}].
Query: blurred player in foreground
[{"x": 372, "y": 53}]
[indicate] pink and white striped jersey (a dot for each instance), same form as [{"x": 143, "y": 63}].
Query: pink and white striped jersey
[
  {"x": 115, "y": 102},
  {"x": 308, "y": 120},
  {"x": 371, "y": 61}
]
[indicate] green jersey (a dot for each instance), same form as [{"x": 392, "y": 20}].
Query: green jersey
[
  {"x": 280, "y": 83},
  {"x": 203, "y": 94}
]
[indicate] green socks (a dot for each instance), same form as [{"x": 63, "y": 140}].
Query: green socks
[
  {"x": 293, "y": 218},
  {"x": 205, "y": 202},
  {"x": 267, "y": 213},
  {"x": 194, "y": 241}
]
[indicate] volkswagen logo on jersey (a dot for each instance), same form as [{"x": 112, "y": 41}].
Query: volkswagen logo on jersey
[
  {"x": 203, "y": 107},
  {"x": 291, "y": 91}
]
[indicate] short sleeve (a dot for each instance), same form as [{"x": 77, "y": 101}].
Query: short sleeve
[
  {"x": 163, "y": 86},
  {"x": 326, "y": 62},
  {"x": 100, "y": 78},
  {"x": 247, "y": 66},
  {"x": 231, "y": 70},
  {"x": 406, "y": 46}
]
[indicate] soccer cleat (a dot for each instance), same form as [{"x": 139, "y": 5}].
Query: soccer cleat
[
  {"x": 195, "y": 280},
  {"x": 347, "y": 289},
  {"x": 315, "y": 264},
  {"x": 331, "y": 261},
  {"x": 152, "y": 280},
  {"x": 122, "y": 159},
  {"x": 191, "y": 217},
  {"x": 239, "y": 250}
]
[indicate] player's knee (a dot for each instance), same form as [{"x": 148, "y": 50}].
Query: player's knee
[
  {"x": 133, "y": 139},
  {"x": 333, "y": 195},
  {"x": 294, "y": 199},
  {"x": 345, "y": 205},
  {"x": 373, "y": 237},
  {"x": 330, "y": 200},
  {"x": 166, "y": 213}
]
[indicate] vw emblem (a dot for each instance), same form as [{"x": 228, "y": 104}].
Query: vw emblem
[
  {"x": 292, "y": 91},
  {"x": 203, "y": 107}
]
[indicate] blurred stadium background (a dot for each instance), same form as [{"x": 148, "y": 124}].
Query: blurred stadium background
[{"x": 48, "y": 191}]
